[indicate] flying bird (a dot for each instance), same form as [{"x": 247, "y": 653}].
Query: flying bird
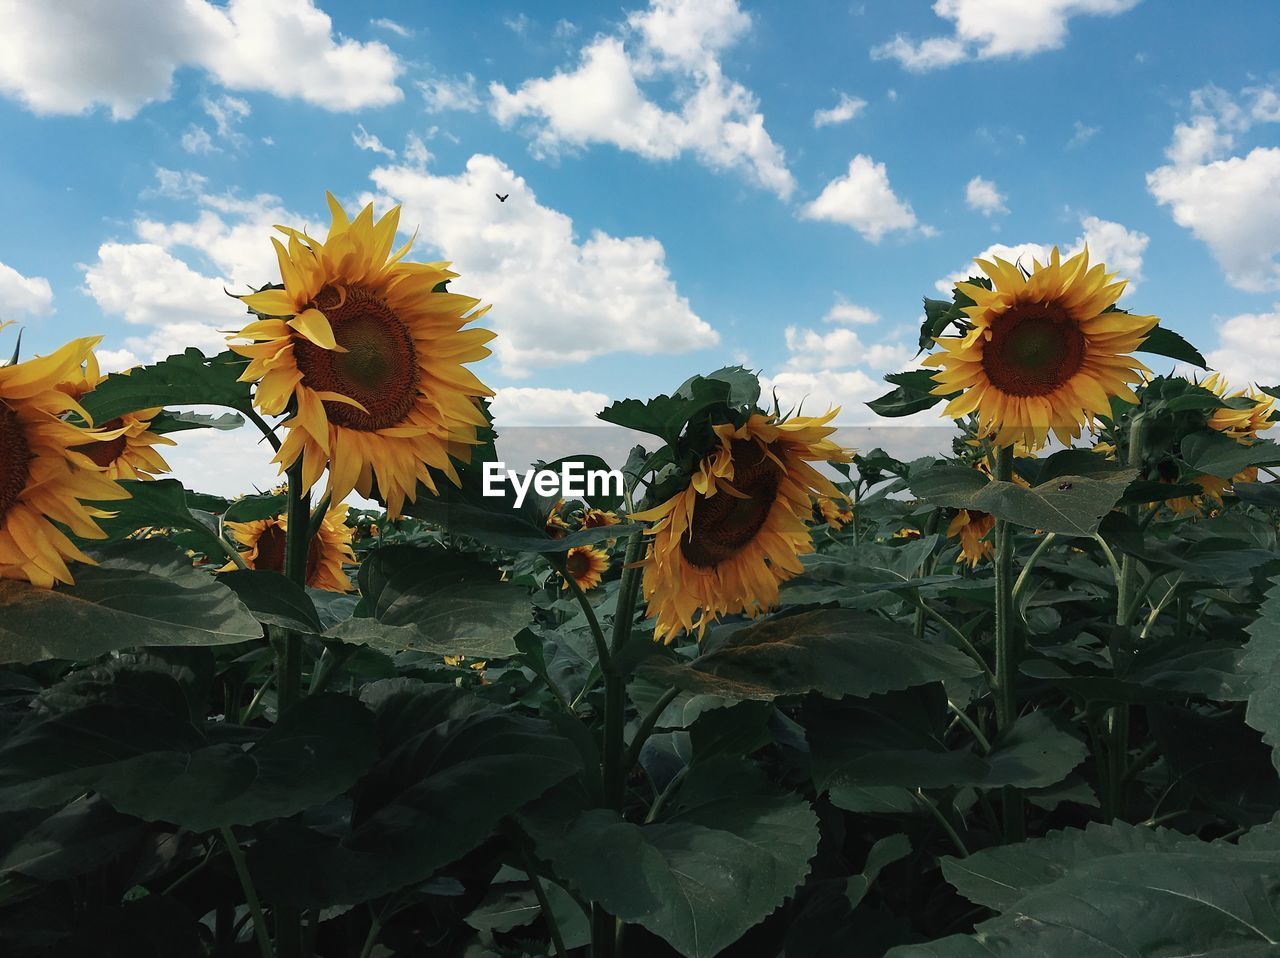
[{"x": 502, "y": 197}]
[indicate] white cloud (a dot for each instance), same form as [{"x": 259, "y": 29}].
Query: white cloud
[
  {"x": 443, "y": 94},
  {"x": 675, "y": 42},
  {"x": 988, "y": 29},
  {"x": 115, "y": 360},
  {"x": 556, "y": 299},
  {"x": 542, "y": 406},
  {"x": 28, "y": 295},
  {"x": 845, "y": 110},
  {"x": 223, "y": 463},
  {"x": 850, "y": 314},
  {"x": 198, "y": 140},
  {"x": 367, "y": 141},
  {"x": 226, "y": 111},
  {"x": 399, "y": 29},
  {"x": 1230, "y": 203},
  {"x": 1082, "y": 134},
  {"x": 982, "y": 196},
  {"x": 176, "y": 183},
  {"x": 1121, "y": 249},
  {"x": 863, "y": 199},
  {"x": 71, "y": 56},
  {"x": 147, "y": 285},
  {"x": 1249, "y": 349}
]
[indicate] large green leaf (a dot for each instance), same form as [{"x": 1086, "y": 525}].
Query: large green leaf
[
  {"x": 1070, "y": 505},
  {"x": 912, "y": 393},
  {"x": 159, "y": 503},
  {"x": 1197, "y": 899},
  {"x": 1261, "y": 663},
  {"x": 428, "y": 599},
  {"x": 274, "y": 599},
  {"x": 73, "y": 840},
  {"x": 732, "y": 849},
  {"x": 667, "y": 416},
  {"x": 1162, "y": 341},
  {"x": 449, "y": 768},
  {"x": 1212, "y": 453},
  {"x": 185, "y": 379},
  {"x": 833, "y": 651},
  {"x": 140, "y": 593}
]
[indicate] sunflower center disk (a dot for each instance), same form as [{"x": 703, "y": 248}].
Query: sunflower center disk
[
  {"x": 15, "y": 460},
  {"x": 379, "y": 370},
  {"x": 107, "y": 452},
  {"x": 724, "y": 524},
  {"x": 578, "y": 564},
  {"x": 271, "y": 552},
  {"x": 1033, "y": 350}
]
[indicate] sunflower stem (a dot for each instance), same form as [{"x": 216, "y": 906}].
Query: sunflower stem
[
  {"x": 264, "y": 427},
  {"x": 250, "y": 895},
  {"x": 1006, "y": 645}
]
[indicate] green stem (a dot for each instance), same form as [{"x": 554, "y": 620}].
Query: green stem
[
  {"x": 250, "y": 895},
  {"x": 1007, "y": 651},
  {"x": 646, "y": 727},
  {"x": 263, "y": 427},
  {"x": 597, "y": 633},
  {"x": 971, "y": 725},
  {"x": 960, "y": 637},
  {"x": 297, "y": 545},
  {"x": 941, "y": 819},
  {"x": 1025, "y": 575},
  {"x": 557, "y": 939},
  {"x": 375, "y": 928}
]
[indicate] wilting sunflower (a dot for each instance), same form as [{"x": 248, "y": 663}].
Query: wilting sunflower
[
  {"x": 1043, "y": 354},
  {"x": 371, "y": 357},
  {"x": 586, "y": 565},
  {"x": 555, "y": 525},
  {"x": 971, "y": 528},
  {"x": 597, "y": 518},
  {"x": 724, "y": 543},
  {"x": 132, "y": 453},
  {"x": 44, "y": 478},
  {"x": 833, "y": 513},
  {"x": 330, "y": 548}
]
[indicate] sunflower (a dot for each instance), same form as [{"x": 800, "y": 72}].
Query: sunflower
[
  {"x": 45, "y": 478},
  {"x": 132, "y": 453},
  {"x": 1242, "y": 425},
  {"x": 971, "y": 528},
  {"x": 724, "y": 543},
  {"x": 586, "y": 565},
  {"x": 330, "y": 548},
  {"x": 833, "y": 514},
  {"x": 906, "y": 532},
  {"x": 597, "y": 518},
  {"x": 555, "y": 525},
  {"x": 1043, "y": 353},
  {"x": 368, "y": 358}
]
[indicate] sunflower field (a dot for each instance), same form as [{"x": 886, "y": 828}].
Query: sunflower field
[{"x": 775, "y": 698}]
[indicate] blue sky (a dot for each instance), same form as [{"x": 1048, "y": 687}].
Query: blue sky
[{"x": 676, "y": 202}]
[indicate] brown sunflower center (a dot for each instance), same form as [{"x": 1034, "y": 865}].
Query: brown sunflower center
[
  {"x": 271, "y": 552},
  {"x": 724, "y": 524},
  {"x": 578, "y": 564},
  {"x": 379, "y": 369},
  {"x": 106, "y": 452},
  {"x": 1034, "y": 349},
  {"x": 15, "y": 460}
]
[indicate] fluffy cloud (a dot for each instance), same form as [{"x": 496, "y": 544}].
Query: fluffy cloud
[
  {"x": 1230, "y": 203},
  {"x": 72, "y": 56},
  {"x": 444, "y": 94},
  {"x": 845, "y": 110},
  {"x": 982, "y": 196},
  {"x": 1111, "y": 243},
  {"x": 367, "y": 141},
  {"x": 556, "y": 299},
  {"x": 850, "y": 314},
  {"x": 29, "y": 295},
  {"x": 674, "y": 42},
  {"x": 1249, "y": 349},
  {"x": 988, "y": 29},
  {"x": 863, "y": 199},
  {"x": 542, "y": 406}
]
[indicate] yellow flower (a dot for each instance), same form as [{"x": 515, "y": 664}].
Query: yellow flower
[
  {"x": 907, "y": 533},
  {"x": 330, "y": 548},
  {"x": 1043, "y": 354},
  {"x": 370, "y": 361},
  {"x": 44, "y": 478},
  {"x": 971, "y": 528},
  {"x": 1242, "y": 425},
  {"x": 596, "y": 518},
  {"x": 833, "y": 514},
  {"x": 131, "y": 454},
  {"x": 724, "y": 543},
  {"x": 555, "y": 525},
  {"x": 586, "y": 565}
]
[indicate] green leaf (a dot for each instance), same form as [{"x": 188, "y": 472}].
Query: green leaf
[
  {"x": 186, "y": 379},
  {"x": 158, "y": 503},
  {"x": 253, "y": 508},
  {"x": 667, "y": 416},
  {"x": 913, "y": 393},
  {"x": 1261, "y": 663},
  {"x": 314, "y": 752},
  {"x": 833, "y": 651},
  {"x": 71, "y": 841},
  {"x": 497, "y": 523},
  {"x": 1162, "y": 341},
  {"x": 1070, "y": 505},
  {"x": 434, "y": 600},
  {"x": 732, "y": 849},
  {"x": 141, "y": 593},
  {"x": 1212, "y": 453},
  {"x": 274, "y": 599},
  {"x": 449, "y": 768},
  {"x": 166, "y": 422},
  {"x": 885, "y": 852}
]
